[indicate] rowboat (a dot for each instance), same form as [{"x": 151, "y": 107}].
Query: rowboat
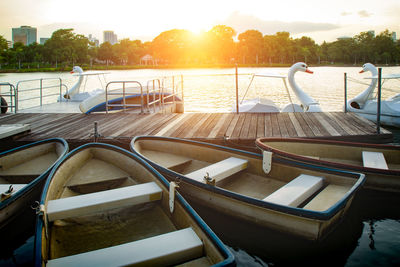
[
  {"x": 379, "y": 162},
  {"x": 23, "y": 171},
  {"x": 291, "y": 197},
  {"x": 104, "y": 206}
]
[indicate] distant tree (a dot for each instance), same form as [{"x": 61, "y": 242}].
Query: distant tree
[
  {"x": 105, "y": 52},
  {"x": 251, "y": 45},
  {"x": 172, "y": 46},
  {"x": 219, "y": 44}
]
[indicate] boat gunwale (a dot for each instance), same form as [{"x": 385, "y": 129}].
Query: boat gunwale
[
  {"x": 220, "y": 246},
  {"x": 309, "y": 214},
  {"x": 284, "y": 154},
  {"x": 30, "y": 186}
]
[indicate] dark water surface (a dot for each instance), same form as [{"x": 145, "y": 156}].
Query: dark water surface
[{"x": 369, "y": 235}]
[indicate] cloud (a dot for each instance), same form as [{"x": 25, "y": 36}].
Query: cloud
[
  {"x": 242, "y": 22},
  {"x": 364, "y": 14},
  {"x": 344, "y": 13}
]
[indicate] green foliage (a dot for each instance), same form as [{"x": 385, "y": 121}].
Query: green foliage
[{"x": 217, "y": 47}]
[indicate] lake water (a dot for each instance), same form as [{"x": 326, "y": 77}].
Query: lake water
[
  {"x": 370, "y": 232},
  {"x": 214, "y": 90}
]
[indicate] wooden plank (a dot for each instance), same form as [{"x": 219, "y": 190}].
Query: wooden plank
[
  {"x": 332, "y": 131},
  {"x": 289, "y": 125},
  {"x": 197, "y": 126},
  {"x": 282, "y": 126},
  {"x": 260, "y": 125},
  {"x": 232, "y": 125},
  {"x": 307, "y": 125},
  {"x": 165, "y": 119},
  {"x": 238, "y": 127},
  {"x": 268, "y": 125},
  {"x": 218, "y": 125},
  {"x": 244, "y": 131},
  {"x": 183, "y": 124},
  {"x": 296, "y": 125},
  {"x": 204, "y": 129},
  {"x": 343, "y": 123},
  {"x": 225, "y": 126},
  {"x": 252, "y": 134},
  {"x": 190, "y": 124},
  {"x": 171, "y": 126},
  {"x": 317, "y": 128},
  {"x": 276, "y": 132},
  {"x": 333, "y": 123}
]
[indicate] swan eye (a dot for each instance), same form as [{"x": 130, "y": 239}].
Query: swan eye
[{"x": 304, "y": 66}]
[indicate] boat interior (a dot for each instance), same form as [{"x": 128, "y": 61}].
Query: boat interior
[
  {"x": 101, "y": 202},
  {"x": 351, "y": 155},
  {"x": 318, "y": 191},
  {"x": 23, "y": 166}
]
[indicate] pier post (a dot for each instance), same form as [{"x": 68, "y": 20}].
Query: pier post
[
  {"x": 378, "y": 112},
  {"x": 237, "y": 89},
  {"x": 345, "y": 92}
]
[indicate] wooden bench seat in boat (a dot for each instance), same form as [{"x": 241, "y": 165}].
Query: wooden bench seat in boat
[
  {"x": 102, "y": 201},
  {"x": 374, "y": 160},
  {"x": 219, "y": 170},
  {"x": 296, "y": 191},
  {"x": 166, "y": 249}
]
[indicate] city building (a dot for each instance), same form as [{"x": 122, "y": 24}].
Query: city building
[
  {"x": 43, "y": 40},
  {"x": 24, "y": 34},
  {"x": 394, "y": 37},
  {"x": 93, "y": 40},
  {"x": 110, "y": 36}
]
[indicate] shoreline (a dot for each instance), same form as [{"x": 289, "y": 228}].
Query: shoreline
[{"x": 176, "y": 66}]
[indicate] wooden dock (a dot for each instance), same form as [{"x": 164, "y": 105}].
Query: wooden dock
[{"x": 231, "y": 129}]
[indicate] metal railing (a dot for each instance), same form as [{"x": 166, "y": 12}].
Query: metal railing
[
  {"x": 155, "y": 94},
  {"x": 123, "y": 104},
  {"x": 11, "y": 96},
  {"x": 37, "y": 90}
]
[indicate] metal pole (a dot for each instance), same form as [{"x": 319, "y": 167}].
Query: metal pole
[
  {"x": 345, "y": 92},
  {"x": 237, "y": 89},
  {"x": 378, "y": 112}
]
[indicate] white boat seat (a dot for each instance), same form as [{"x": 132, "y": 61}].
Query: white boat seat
[
  {"x": 296, "y": 191},
  {"x": 102, "y": 201},
  {"x": 220, "y": 170},
  {"x": 374, "y": 160},
  {"x": 166, "y": 249}
]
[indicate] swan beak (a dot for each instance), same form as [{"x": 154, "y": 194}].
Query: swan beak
[
  {"x": 72, "y": 72},
  {"x": 361, "y": 71},
  {"x": 309, "y": 71}
]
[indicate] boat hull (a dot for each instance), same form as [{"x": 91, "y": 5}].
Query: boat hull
[
  {"x": 340, "y": 155},
  {"x": 18, "y": 173},
  {"x": 242, "y": 196},
  {"x": 94, "y": 169}
]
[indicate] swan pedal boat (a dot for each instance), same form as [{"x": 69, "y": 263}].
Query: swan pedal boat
[
  {"x": 262, "y": 105},
  {"x": 380, "y": 163},
  {"x": 104, "y": 206},
  {"x": 365, "y": 104},
  {"x": 23, "y": 171},
  {"x": 296, "y": 198}
]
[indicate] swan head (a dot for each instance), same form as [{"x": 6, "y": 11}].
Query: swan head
[
  {"x": 300, "y": 66},
  {"x": 77, "y": 69},
  {"x": 369, "y": 67}
]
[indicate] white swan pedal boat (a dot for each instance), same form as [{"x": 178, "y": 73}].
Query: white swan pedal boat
[
  {"x": 365, "y": 104},
  {"x": 260, "y": 105}
]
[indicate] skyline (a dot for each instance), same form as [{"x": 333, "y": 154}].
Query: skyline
[{"x": 145, "y": 21}]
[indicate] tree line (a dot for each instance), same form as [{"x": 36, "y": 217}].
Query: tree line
[{"x": 217, "y": 46}]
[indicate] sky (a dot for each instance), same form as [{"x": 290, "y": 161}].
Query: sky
[{"x": 145, "y": 19}]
